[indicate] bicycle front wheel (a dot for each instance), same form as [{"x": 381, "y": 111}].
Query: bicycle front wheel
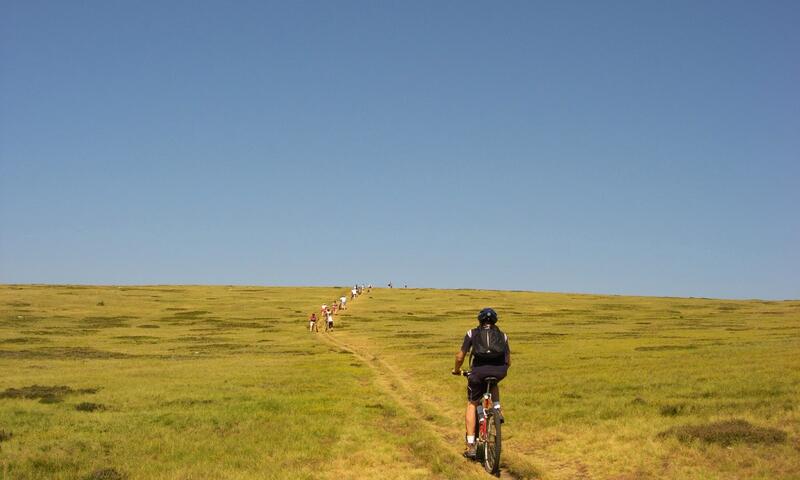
[{"x": 491, "y": 460}]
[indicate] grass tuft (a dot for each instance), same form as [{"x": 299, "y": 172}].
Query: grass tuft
[{"x": 672, "y": 410}]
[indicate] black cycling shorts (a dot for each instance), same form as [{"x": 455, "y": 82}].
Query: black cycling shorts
[{"x": 476, "y": 386}]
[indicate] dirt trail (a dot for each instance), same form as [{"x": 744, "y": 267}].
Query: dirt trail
[{"x": 403, "y": 394}]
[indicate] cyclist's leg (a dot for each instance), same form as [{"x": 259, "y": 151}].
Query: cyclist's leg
[
  {"x": 469, "y": 418},
  {"x": 475, "y": 388},
  {"x": 495, "y": 392}
]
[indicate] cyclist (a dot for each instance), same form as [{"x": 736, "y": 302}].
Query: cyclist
[
  {"x": 477, "y": 341},
  {"x": 329, "y": 323}
]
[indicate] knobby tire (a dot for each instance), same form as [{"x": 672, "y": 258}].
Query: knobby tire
[{"x": 491, "y": 460}]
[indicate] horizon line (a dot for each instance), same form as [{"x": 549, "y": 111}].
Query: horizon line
[{"x": 237, "y": 285}]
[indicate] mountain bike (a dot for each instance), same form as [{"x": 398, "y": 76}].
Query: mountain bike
[{"x": 487, "y": 430}]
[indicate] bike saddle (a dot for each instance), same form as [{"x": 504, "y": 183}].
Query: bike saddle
[{"x": 490, "y": 379}]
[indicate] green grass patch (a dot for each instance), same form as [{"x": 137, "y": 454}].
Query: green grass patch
[{"x": 227, "y": 382}]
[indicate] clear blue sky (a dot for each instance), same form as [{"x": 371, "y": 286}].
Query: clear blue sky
[{"x": 640, "y": 147}]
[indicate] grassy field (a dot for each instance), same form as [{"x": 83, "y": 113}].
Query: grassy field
[{"x": 226, "y": 382}]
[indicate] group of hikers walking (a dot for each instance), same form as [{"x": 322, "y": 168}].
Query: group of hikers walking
[{"x": 326, "y": 312}]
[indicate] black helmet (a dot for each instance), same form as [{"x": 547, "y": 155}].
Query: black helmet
[{"x": 487, "y": 315}]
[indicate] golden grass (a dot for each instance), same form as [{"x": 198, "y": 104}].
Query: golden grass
[
  {"x": 194, "y": 382},
  {"x": 596, "y": 379},
  {"x": 226, "y": 382}
]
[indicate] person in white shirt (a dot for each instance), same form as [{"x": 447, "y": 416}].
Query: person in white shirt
[{"x": 343, "y": 300}]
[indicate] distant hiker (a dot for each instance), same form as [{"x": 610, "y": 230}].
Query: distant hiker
[
  {"x": 312, "y": 323},
  {"x": 490, "y": 356},
  {"x": 343, "y": 301},
  {"x": 353, "y": 293},
  {"x": 329, "y": 323},
  {"x": 335, "y": 307}
]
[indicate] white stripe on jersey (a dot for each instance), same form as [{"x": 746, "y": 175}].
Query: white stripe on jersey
[{"x": 469, "y": 333}]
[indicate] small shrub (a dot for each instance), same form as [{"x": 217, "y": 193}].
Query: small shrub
[
  {"x": 386, "y": 411},
  {"x": 672, "y": 410},
  {"x": 101, "y": 303},
  {"x": 89, "y": 407},
  {"x": 5, "y": 436},
  {"x": 106, "y": 474},
  {"x": 726, "y": 433}
]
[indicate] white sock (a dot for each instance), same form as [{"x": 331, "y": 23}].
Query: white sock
[
  {"x": 470, "y": 439},
  {"x": 496, "y": 405}
]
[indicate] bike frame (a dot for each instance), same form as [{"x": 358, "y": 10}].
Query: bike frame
[{"x": 484, "y": 416}]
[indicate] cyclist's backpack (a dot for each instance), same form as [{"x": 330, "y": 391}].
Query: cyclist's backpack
[{"x": 489, "y": 345}]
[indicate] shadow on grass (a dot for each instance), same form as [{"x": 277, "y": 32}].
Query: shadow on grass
[
  {"x": 63, "y": 352},
  {"x": 726, "y": 433},
  {"x": 659, "y": 348},
  {"x": 107, "y": 322},
  {"x": 45, "y": 394}
]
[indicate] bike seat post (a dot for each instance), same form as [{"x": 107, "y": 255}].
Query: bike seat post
[{"x": 489, "y": 382}]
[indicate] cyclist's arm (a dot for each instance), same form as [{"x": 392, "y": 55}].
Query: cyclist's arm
[
  {"x": 459, "y": 361},
  {"x": 462, "y": 353}
]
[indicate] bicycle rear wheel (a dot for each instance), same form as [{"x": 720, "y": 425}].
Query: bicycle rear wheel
[{"x": 491, "y": 460}]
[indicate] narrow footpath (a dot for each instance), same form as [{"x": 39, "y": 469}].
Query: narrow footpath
[{"x": 404, "y": 394}]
